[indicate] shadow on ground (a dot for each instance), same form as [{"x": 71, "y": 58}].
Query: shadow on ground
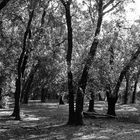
[{"x": 47, "y": 122}]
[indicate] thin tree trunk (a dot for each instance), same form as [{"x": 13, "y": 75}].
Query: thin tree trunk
[
  {"x": 126, "y": 89},
  {"x": 1, "y": 98}
]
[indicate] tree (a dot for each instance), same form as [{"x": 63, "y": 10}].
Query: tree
[
  {"x": 67, "y": 5},
  {"x": 27, "y": 84},
  {"x": 21, "y": 66},
  {"x": 135, "y": 87},
  {"x": 113, "y": 96},
  {"x": 101, "y": 10}
]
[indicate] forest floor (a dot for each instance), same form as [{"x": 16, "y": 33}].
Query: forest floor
[{"x": 47, "y": 121}]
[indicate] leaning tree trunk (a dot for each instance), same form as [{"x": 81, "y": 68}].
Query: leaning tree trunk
[
  {"x": 114, "y": 95},
  {"x": 83, "y": 81},
  {"x": 21, "y": 68}
]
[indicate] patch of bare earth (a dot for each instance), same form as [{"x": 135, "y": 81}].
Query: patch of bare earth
[{"x": 47, "y": 121}]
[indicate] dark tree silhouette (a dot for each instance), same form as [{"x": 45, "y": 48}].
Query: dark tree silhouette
[{"x": 3, "y": 4}]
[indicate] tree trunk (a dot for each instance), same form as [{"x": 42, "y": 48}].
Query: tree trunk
[
  {"x": 112, "y": 97},
  {"x": 111, "y": 106},
  {"x": 27, "y": 88},
  {"x": 1, "y": 98},
  {"x": 91, "y": 103},
  {"x": 100, "y": 97},
  {"x": 79, "y": 107},
  {"x": 134, "y": 92},
  {"x": 21, "y": 68},
  {"x": 135, "y": 87},
  {"x": 27, "y": 85},
  {"x": 111, "y": 103},
  {"x": 124, "y": 71},
  {"x": 126, "y": 89},
  {"x": 83, "y": 81},
  {"x": 71, "y": 120},
  {"x": 16, "y": 112},
  {"x": 3, "y": 4},
  {"x": 61, "y": 102},
  {"x": 43, "y": 96}
]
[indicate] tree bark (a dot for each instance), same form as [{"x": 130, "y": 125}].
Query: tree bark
[
  {"x": 83, "y": 81},
  {"x": 21, "y": 68},
  {"x": 126, "y": 89},
  {"x": 43, "y": 95},
  {"x": 61, "y": 102},
  {"x": 111, "y": 106},
  {"x": 3, "y": 4},
  {"x": 111, "y": 49},
  {"x": 125, "y": 69},
  {"x": 27, "y": 89},
  {"x": 134, "y": 92},
  {"x": 16, "y": 112},
  {"x": 111, "y": 100},
  {"x": 1, "y": 98},
  {"x": 135, "y": 88},
  {"x": 112, "y": 97},
  {"x": 91, "y": 102},
  {"x": 27, "y": 85},
  {"x": 71, "y": 120}
]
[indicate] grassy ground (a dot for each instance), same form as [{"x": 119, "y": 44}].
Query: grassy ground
[{"x": 46, "y": 121}]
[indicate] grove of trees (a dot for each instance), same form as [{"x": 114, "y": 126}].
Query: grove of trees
[{"x": 73, "y": 48}]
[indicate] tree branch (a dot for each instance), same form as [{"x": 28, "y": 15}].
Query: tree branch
[
  {"x": 58, "y": 44},
  {"x": 106, "y": 5},
  {"x": 112, "y": 8},
  {"x": 3, "y": 4}
]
